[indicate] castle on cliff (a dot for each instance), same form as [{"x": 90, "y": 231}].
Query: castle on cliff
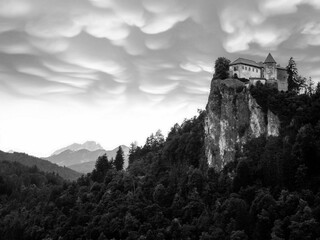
[{"x": 265, "y": 72}]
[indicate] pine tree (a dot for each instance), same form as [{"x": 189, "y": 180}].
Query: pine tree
[
  {"x": 119, "y": 161},
  {"x": 101, "y": 168},
  {"x": 132, "y": 150},
  {"x": 292, "y": 76},
  {"x": 309, "y": 86},
  {"x": 155, "y": 141}
]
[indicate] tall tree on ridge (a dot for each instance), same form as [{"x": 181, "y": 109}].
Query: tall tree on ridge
[
  {"x": 101, "y": 168},
  {"x": 221, "y": 68},
  {"x": 119, "y": 161},
  {"x": 295, "y": 82}
]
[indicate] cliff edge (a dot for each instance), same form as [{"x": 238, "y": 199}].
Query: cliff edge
[{"x": 233, "y": 118}]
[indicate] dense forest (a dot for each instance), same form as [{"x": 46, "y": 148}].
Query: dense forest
[{"x": 168, "y": 192}]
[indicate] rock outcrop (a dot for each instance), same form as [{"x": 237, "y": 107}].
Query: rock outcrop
[{"x": 233, "y": 118}]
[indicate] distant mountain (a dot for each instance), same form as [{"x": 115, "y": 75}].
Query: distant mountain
[
  {"x": 89, "y": 145},
  {"x": 84, "y": 160},
  {"x": 68, "y": 157},
  {"x": 42, "y": 164}
]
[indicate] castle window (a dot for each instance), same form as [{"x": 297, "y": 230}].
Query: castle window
[
  {"x": 246, "y": 68},
  {"x": 249, "y": 68},
  {"x": 242, "y": 67},
  {"x": 235, "y": 68},
  {"x": 257, "y": 70}
]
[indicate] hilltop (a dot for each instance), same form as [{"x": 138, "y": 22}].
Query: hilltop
[{"x": 42, "y": 165}]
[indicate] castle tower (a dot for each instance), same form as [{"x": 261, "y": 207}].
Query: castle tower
[{"x": 270, "y": 68}]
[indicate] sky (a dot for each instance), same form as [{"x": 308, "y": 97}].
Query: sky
[{"x": 115, "y": 71}]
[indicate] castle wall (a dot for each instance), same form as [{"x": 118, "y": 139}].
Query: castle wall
[
  {"x": 282, "y": 74},
  {"x": 270, "y": 71},
  {"x": 282, "y": 77},
  {"x": 282, "y": 85},
  {"x": 245, "y": 71}
]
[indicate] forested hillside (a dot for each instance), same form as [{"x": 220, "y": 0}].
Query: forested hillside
[
  {"x": 41, "y": 164},
  {"x": 168, "y": 192}
]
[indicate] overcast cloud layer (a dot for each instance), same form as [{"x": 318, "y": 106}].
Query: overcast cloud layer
[{"x": 115, "y": 71}]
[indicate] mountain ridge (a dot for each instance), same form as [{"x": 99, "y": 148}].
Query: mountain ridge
[
  {"x": 89, "y": 145},
  {"x": 42, "y": 164},
  {"x": 83, "y": 160}
]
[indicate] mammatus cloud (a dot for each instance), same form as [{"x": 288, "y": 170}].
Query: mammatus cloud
[
  {"x": 133, "y": 58},
  {"x": 286, "y": 28}
]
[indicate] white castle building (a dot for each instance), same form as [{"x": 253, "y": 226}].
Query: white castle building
[{"x": 265, "y": 72}]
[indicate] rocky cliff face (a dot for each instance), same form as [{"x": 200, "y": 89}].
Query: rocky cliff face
[{"x": 233, "y": 118}]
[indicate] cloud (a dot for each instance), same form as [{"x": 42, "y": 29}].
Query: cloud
[
  {"x": 34, "y": 86},
  {"x": 33, "y": 71},
  {"x": 72, "y": 81},
  {"x": 156, "y": 42},
  {"x": 311, "y": 28},
  {"x": 163, "y": 23},
  {"x": 276, "y": 7},
  {"x": 103, "y": 25},
  {"x": 164, "y": 15},
  {"x": 273, "y": 7},
  {"x": 163, "y": 89},
  {"x": 50, "y": 46},
  {"x": 191, "y": 67},
  {"x": 150, "y": 58},
  {"x": 6, "y": 27},
  {"x": 14, "y": 8},
  {"x": 131, "y": 12},
  {"x": 15, "y": 43},
  {"x": 240, "y": 23},
  {"x": 134, "y": 44},
  {"x": 270, "y": 25},
  {"x": 65, "y": 68},
  {"x": 53, "y": 26}
]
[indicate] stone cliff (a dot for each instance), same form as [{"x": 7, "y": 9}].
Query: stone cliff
[{"x": 233, "y": 118}]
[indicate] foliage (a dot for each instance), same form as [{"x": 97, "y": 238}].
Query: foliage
[
  {"x": 119, "y": 160},
  {"x": 101, "y": 168},
  {"x": 295, "y": 82},
  {"x": 41, "y": 164},
  {"x": 221, "y": 68}
]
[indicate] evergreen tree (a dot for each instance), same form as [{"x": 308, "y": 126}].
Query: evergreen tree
[
  {"x": 101, "y": 168},
  {"x": 295, "y": 82},
  {"x": 102, "y": 164},
  {"x": 221, "y": 68},
  {"x": 133, "y": 147},
  {"x": 309, "y": 87},
  {"x": 119, "y": 161},
  {"x": 317, "y": 90},
  {"x": 155, "y": 141}
]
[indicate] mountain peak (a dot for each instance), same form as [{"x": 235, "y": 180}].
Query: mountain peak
[
  {"x": 88, "y": 145},
  {"x": 91, "y": 146},
  {"x": 84, "y": 159}
]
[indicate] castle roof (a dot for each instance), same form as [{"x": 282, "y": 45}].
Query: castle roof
[
  {"x": 269, "y": 59},
  {"x": 246, "y": 62}
]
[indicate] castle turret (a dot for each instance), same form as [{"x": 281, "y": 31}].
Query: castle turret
[{"x": 270, "y": 66}]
